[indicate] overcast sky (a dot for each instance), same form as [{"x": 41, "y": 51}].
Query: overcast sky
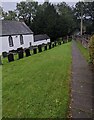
[{"x": 11, "y": 4}]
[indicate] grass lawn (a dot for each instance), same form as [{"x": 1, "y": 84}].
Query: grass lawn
[
  {"x": 83, "y": 50},
  {"x": 38, "y": 86},
  {"x": 0, "y": 92}
]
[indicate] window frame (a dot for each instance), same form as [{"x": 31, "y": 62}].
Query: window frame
[
  {"x": 21, "y": 40},
  {"x": 10, "y": 39}
]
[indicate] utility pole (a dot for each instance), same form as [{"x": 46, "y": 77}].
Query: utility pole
[
  {"x": 81, "y": 20},
  {"x": 81, "y": 27}
]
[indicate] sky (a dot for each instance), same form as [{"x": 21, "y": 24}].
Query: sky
[{"x": 11, "y": 4}]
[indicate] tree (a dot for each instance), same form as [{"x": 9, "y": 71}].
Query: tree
[
  {"x": 45, "y": 20},
  {"x": 88, "y": 14},
  {"x": 67, "y": 19},
  {"x": 27, "y": 10},
  {"x": 10, "y": 15},
  {"x": 1, "y": 10},
  {"x": 1, "y": 13},
  {"x": 54, "y": 20}
]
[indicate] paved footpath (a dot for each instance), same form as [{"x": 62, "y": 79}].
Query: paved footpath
[{"x": 82, "y": 85}]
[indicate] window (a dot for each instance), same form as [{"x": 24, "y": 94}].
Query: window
[
  {"x": 30, "y": 43},
  {"x": 11, "y": 41},
  {"x": 21, "y": 40}
]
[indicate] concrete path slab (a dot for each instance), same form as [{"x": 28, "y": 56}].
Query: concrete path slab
[{"x": 82, "y": 85}]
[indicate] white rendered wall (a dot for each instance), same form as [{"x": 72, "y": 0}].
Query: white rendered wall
[
  {"x": 48, "y": 40},
  {"x": 0, "y": 45},
  {"x": 16, "y": 41},
  {"x": 27, "y": 39},
  {"x": 41, "y": 42}
]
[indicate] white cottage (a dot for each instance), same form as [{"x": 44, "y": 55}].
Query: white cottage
[
  {"x": 41, "y": 39},
  {"x": 14, "y": 35}
]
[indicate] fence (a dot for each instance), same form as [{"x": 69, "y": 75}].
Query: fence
[{"x": 83, "y": 39}]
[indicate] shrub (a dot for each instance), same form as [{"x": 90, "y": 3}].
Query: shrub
[{"x": 91, "y": 49}]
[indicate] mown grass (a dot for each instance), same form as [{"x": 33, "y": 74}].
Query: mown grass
[
  {"x": 38, "y": 86},
  {"x": 0, "y": 92},
  {"x": 83, "y": 50}
]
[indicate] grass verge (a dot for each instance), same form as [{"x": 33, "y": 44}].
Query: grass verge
[{"x": 83, "y": 50}]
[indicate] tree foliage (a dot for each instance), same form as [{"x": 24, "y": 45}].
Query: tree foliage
[
  {"x": 27, "y": 10},
  {"x": 56, "y": 20},
  {"x": 87, "y": 9},
  {"x": 10, "y": 15}
]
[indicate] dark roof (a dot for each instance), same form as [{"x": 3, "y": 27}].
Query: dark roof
[
  {"x": 10, "y": 27},
  {"x": 41, "y": 37}
]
